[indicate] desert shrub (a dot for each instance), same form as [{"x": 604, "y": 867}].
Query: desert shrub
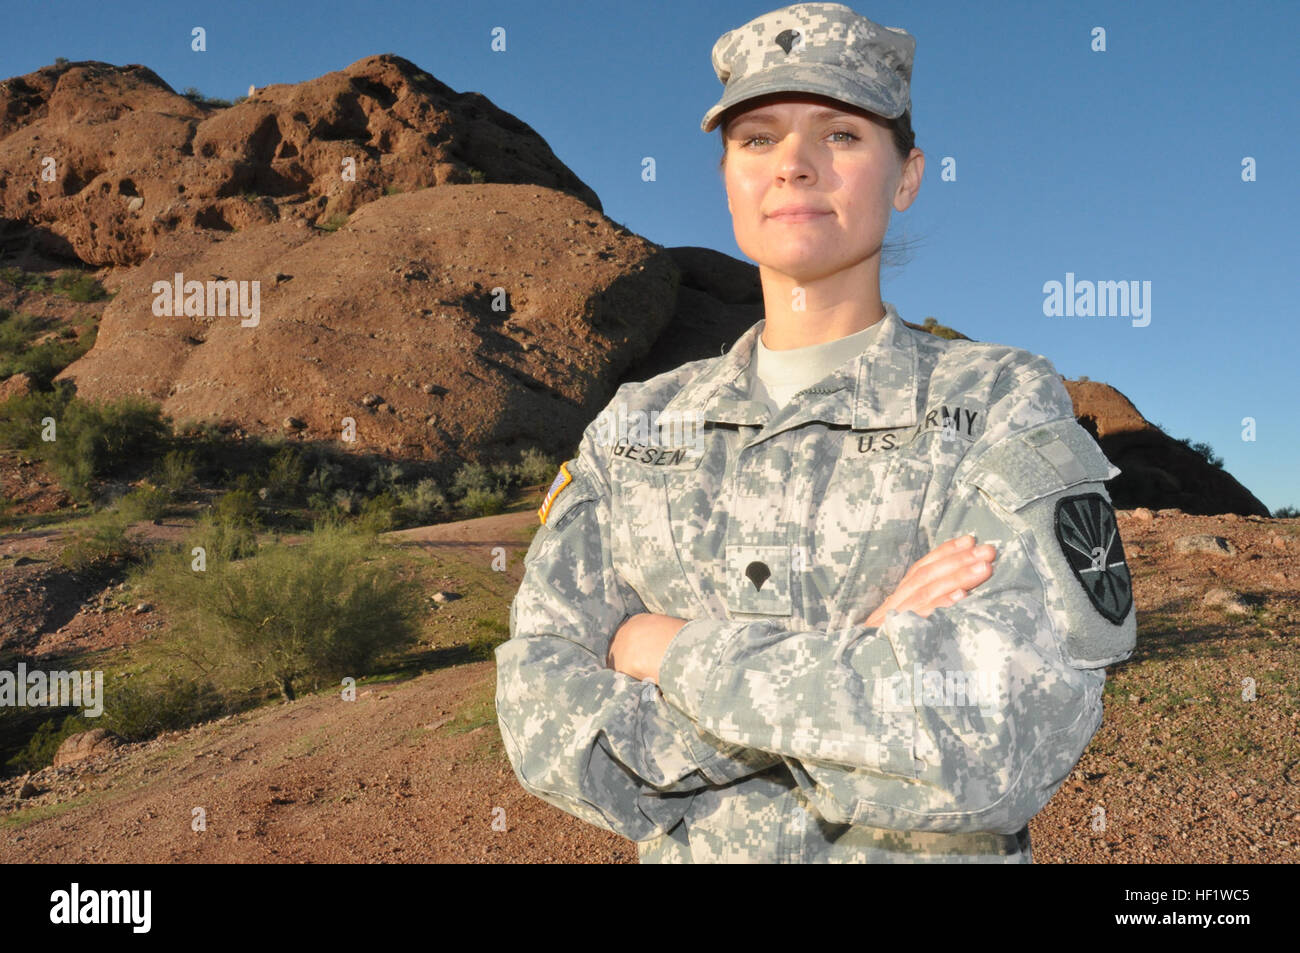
[
  {"x": 484, "y": 502},
  {"x": 176, "y": 473},
  {"x": 100, "y": 545},
  {"x": 421, "y": 503},
  {"x": 222, "y": 538},
  {"x": 137, "y": 708},
  {"x": 504, "y": 475},
  {"x": 346, "y": 502},
  {"x": 469, "y": 477},
  {"x": 1204, "y": 450},
  {"x": 384, "y": 477},
  {"x": 21, "y": 417},
  {"x": 535, "y": 467},
  {"x": 379, "y": 514},
  {"x": 237, "y": 507},
  {"x": 284, "y": 476},
  {"x": 294, "y": 616},
  {"x": 79, "y": 286},
  {"x": 142, "y": 503},
  {"x": 933, "y": 326},
  {"x": 90, "y": 440},
  {"x": 40, "y": 748},
  {"x": 324, "y": 478}
]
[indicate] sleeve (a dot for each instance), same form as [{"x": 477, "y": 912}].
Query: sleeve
[
  {"x": 969, "y": 719},
  {"x": 581, "y": 736}
]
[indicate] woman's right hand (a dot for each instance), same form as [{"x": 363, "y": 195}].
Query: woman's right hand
[{"x": 939, "y": 578}]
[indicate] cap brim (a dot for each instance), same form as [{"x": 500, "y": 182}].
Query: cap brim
[{"x": 847, "y": 86}]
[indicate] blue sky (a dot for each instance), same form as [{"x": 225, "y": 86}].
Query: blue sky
[{"x": 1115, "y": 166}]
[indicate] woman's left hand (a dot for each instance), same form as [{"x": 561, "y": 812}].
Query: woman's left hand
[{"x": 640, "y": 643}]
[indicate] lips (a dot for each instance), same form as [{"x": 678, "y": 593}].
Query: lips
[{"x": 798, "y": 214}]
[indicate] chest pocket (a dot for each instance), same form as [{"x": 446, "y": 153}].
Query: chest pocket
[
  {"x": 649, "y": 511},
  {"x": 865, "y": 531}
]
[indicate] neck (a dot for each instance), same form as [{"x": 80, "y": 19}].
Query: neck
[{"x": 802, "y": 313}]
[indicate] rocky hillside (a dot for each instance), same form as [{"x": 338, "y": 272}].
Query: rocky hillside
[{"x": 371, "y": 254}]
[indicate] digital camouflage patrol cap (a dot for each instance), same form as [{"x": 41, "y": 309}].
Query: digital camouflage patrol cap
[{"x": 822, "y": 48}]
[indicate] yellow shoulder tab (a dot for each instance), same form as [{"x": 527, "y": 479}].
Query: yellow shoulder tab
[{"x": 562, "y": 479}]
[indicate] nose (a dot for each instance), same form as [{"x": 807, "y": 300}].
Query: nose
[{"x": 793, "y": 160}]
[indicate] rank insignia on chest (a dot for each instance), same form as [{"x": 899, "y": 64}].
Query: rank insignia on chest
[
  {"x": 562, "y": 479},
  {"x": 1089, "y": 537}
]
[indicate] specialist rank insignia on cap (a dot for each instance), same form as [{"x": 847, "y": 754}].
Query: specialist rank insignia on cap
[
  {"x": 1089, "y": 536},
  {"x": 562, "y": 479}
]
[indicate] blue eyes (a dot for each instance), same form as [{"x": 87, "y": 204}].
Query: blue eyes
[{"x": 838, "y": 132}]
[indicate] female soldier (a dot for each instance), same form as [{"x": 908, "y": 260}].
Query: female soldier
[{"x": 727, "y": 648}]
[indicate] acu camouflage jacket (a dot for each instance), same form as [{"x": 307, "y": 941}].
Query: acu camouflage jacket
[{"x": 783, "y": 728}]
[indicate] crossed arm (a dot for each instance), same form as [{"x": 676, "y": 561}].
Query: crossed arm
[{"x": 939, "y": 578}]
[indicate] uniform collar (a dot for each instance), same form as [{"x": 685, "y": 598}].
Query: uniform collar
[{"x": 875, "y": 390}]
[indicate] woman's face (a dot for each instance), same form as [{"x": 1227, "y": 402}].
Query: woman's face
[{"x": 797, "y": 150}]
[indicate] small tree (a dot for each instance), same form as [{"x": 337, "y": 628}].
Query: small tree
[{"x": 299, "y": 615}]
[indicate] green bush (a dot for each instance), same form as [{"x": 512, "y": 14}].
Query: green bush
[
  {"x": 379, "y": 513},
  {"x": 17, "y": 331},
  {"x": 301, "y": 615},
  {"x": 44, "y": 360},
  {"x": 137, "y": 708},
  {"x": 21, "y": 418},
  {"x": 1286, "y": 513},
  {"x": 142, "y": 503},
  {"x": 284, "y": 477},
  {"x": 470, "y": 477},
  {"x": 44, "y": 742},
  {"x": 24, "y": 280},
  {"x": 1204, "y": 450},
  {"x": 177, "y": 472},
  {"x": 484, "y": 502},
  {"x": 238, "y": 508},
  {"x": 79, "y": 287},
  {"x": 100, "y": 545},
  {"x": 535, "y": 467},
  {"x": 385, "y": 476},
  {"x": 324, "y": 478},
  {"x": 422, "y": 503},
  {"x": 222, "y": 538},
  {"x": 91, "y": 440},
  {"x": 503, "y": 475}
]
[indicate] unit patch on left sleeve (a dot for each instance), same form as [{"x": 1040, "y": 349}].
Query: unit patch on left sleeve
[
  {"x": 562, "y": 479},
  {"x": 1089, "y": 537}
]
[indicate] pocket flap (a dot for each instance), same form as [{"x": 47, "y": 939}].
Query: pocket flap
[{"x": 1031, "y": 464}]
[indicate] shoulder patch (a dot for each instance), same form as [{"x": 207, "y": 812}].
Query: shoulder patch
[
  {"x": 1089, "y": 536},
  {"x": 562, "y": 479}
]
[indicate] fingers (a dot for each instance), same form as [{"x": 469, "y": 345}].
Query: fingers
[
  {"x": 942, "y": 577},
  {"x": 944, "y": 580},
  {"x": 954, "y": 545}
]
